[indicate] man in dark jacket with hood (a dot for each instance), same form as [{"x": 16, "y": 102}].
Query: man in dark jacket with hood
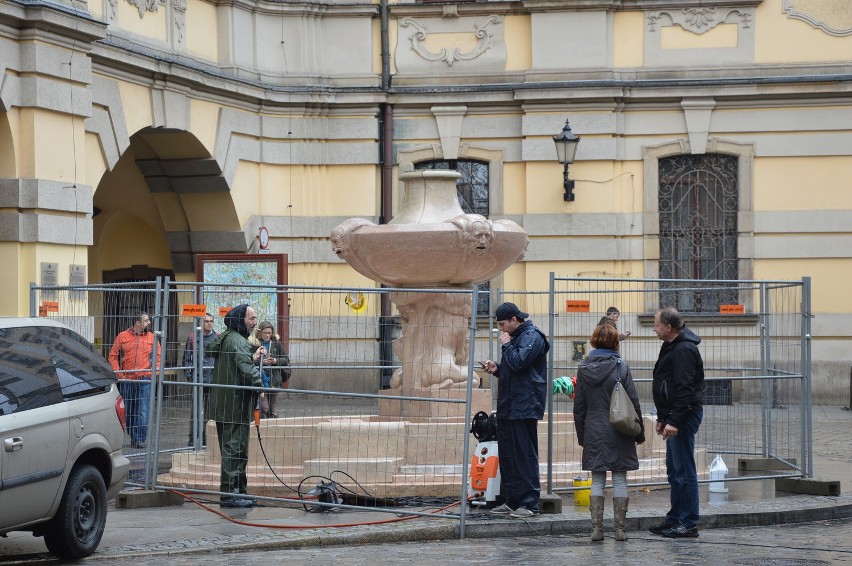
[
  {"x": 521, "y": 397},
  {"x": 231, "y": 408},
  {"x": 679, "y": 397}
]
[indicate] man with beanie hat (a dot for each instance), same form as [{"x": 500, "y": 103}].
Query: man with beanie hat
[
  {"x": 231, "y": 408},
  {"x": 521, "y": 397}
]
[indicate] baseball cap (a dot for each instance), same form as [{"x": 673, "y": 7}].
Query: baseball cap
[{"x": 507, "y": 310}]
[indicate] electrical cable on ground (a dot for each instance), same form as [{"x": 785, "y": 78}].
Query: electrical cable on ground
[{"x": 301, "y": 527}]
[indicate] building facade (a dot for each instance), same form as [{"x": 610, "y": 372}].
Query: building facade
[{"x": 716, "y": 140}]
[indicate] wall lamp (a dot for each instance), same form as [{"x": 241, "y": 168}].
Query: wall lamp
[{"x": 566, "y": 148}]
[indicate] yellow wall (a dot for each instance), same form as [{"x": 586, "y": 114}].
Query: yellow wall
[
  {"x": 46, "y": 145},
  {"x": 784, "y": 40},
  {"x": 328, "y": 275},
  {"x": 136, "y": 103},
  {"x": 319, "y": 190},
  {"x": 202, "y": 30},
  {"x": 599, "y": 186},
  {"x": 781, "y": 183},
  {"x": 125, "y": 189},
  {"x": 96, "y": 164},
  {"x": 244, "y": 190},
  {"x": 204, "y": 122},
  {"x": 22, "y": 266},
  {"x": 518, "y": 43},
  {"x": 829, "y": 280},
  {"x": 628, "y": 31},
  {"x": 8, "y": 155},
  {"x": 151, "y": 25},
  {"x": 12, "y": 298},
  {"x": 127, "y": 240}
]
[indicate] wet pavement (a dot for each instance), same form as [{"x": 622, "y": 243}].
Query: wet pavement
[{"x": 751, "y": 524}]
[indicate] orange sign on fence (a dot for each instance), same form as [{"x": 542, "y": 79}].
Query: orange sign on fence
[
  {"x": 51, "y": 306},
  {"x": 193, "y": 310},
  {"x": 732, "y": 309},
  {"x": 224, "y": 310},
  {"x": 576, "y": 306}
]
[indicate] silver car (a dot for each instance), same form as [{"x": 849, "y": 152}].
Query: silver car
[{"x": 62, "y": 427}]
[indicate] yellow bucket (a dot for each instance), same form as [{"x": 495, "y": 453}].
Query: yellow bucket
[{"x": 582, "y": 496}]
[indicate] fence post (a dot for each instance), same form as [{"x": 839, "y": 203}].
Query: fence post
[
  {"x": 33, "y": 311},
  {"x": 551, "y": 331},
  {"x": 807, "y": 410},
  {"x": 471, "y": 356}
]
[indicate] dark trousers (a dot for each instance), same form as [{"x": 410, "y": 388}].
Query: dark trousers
[
  {"x": 233, "y": 445},
  {"x": 517, "y": 447}
]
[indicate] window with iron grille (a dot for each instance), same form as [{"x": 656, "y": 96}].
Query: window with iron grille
[
  {"x": 698, "y": 205},
  {"x": 472, "y": 189}
]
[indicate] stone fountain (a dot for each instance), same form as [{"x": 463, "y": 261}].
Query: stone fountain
[{"x": 431, "y": 243}]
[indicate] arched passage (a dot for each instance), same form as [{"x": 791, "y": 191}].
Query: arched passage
[{"x": 164, "y": 200}]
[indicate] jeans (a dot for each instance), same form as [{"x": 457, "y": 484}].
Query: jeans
[
  {"x": 682, "y": 475},
  {"x": 136, "y": 394}
]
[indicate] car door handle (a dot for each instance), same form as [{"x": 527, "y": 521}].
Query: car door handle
[{"x": 13, "y": 444}]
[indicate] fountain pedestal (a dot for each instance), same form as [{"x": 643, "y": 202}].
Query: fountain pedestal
[{"x": 394, "y": 404}]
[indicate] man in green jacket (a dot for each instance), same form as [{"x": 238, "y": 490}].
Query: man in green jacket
[{"x": 230, "y": 407}]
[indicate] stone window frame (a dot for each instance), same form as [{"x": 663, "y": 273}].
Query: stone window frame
[
  {"x": 745, "y": 217},
  {"x": 494, "y": 157}
]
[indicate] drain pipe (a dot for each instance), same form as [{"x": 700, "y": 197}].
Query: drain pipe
[{"x": 386, "y": 183}]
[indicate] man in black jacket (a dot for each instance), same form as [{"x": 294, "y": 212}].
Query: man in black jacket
[
  {"x": 521, "y": 397},
  {"x": 679, "y": 397}
]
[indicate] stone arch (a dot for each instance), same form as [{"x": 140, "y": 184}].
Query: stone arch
[
  {"x": 168, "y": 180},
  {"x": 745, "y": 217}
]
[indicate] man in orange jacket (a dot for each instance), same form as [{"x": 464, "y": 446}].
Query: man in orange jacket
[{"x": 133, "y": 350}]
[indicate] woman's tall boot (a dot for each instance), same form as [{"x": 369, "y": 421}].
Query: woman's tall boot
[
  {"x": 619, "y": 510},
  {"x": 597, "y": 508}
]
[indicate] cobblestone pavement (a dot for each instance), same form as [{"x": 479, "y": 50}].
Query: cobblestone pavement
[
  {"x": 188, "y": 534},
  {"x": 810, "y": 544}
]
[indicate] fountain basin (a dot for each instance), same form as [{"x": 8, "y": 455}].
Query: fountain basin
[
  {"x": 431, "y": 241},
  {"x": 460, "y": 251}
]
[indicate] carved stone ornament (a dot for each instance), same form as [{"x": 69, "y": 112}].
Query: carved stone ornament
[
  {"x": 451, "y": 55},
  {"x": 699, "y": 20},
  {"x": 834, "y": 17},
  {"x": 145, "y": 6},
  {"x": 179, "y": 14}
]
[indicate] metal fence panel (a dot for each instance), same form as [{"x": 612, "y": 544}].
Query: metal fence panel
[
  {"x": 755, "y": 402},
  {"x": 333, "y": 425}
]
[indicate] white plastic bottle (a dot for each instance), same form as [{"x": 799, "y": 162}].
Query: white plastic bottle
[{"x": 718, "y": 472}]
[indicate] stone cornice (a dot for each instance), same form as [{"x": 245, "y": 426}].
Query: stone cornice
[
  {"x": 58, "y": 20},
  {"x": 629, "y": 5},
  {"x": 291, "y": 9}
]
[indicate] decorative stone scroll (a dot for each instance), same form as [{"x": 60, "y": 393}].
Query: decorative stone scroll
[
  {"x": 179, "y": 19},
  {"x": 451, "y": 55},
  {"x": 699, "y": 20},
  {"x": 834, "y": 17},
  {"x": 145, "y": 6}
]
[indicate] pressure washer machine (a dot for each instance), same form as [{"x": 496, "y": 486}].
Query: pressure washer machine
[{"x": 483, "y": 489}]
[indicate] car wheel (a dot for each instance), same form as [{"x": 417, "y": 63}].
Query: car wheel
[{"x": 78, "y": 526}]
